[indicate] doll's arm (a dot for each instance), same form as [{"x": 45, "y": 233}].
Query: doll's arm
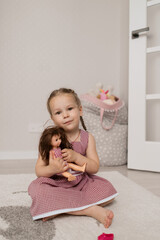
[{"x": 76, "y": 167}]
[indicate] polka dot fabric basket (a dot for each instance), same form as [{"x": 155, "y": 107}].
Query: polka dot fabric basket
[{"x": 109, "y": 125}]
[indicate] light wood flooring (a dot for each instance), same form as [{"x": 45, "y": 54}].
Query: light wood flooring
[{"x": 149, "y": 180}]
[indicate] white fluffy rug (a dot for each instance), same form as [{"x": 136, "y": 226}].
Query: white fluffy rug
[{"x": 137, "y": 214}]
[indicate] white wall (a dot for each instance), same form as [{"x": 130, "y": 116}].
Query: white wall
[{"x": 47, "y": 44}]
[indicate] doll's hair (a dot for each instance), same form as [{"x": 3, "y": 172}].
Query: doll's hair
[
  {"x": 45, "y": 141},
  {"x": 65, "y": 91}
]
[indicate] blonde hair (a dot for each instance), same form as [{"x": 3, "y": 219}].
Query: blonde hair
[{"x": 65, "y": 91}]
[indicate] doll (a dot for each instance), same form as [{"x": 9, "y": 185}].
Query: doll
[{"x": 54, "y": 139}]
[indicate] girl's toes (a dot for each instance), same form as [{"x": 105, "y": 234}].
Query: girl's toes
[
  {"x": 111, "y": 215},
  {"x": 108, "y": 223},
  {"x": 108, "y": 219}
]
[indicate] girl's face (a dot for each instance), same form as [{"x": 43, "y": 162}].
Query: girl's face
[
  {"x": 56, "y": 141},
  {"x": 65, "y": 112}
]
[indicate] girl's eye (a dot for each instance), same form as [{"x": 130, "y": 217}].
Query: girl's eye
[
  {"x": 57, "y": 113},
  {"x": 70, "y": 108}
]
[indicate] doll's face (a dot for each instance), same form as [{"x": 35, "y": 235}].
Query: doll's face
[{"x": 56, "y": 141}]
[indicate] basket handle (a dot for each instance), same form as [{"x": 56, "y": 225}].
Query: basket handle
[{"x": 113, "y": 121}]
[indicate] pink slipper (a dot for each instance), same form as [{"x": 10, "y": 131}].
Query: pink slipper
[{"x": 105, "y": 236}]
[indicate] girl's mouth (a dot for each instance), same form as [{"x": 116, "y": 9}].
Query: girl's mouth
[{"x": 68, "y": 122}]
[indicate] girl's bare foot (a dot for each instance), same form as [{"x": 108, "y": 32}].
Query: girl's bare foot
[
  {"x": 103, "y": 215},
  {"x": 108, "y": 218}
]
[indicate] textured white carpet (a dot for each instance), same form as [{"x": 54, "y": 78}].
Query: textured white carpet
[{"x": 137, "y": 214}]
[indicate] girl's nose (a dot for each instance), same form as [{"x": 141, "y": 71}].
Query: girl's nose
[{"x": 65, "y": 114}]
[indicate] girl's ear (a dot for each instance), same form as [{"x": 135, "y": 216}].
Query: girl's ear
[{"x": 81, "y": 111}]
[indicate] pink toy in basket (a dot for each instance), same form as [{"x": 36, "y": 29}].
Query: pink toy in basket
[
  {"x": 105, "y": 236},
  {"x": 103, "y": 94}
]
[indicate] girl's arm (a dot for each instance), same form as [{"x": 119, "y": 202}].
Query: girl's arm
[
  {"x": 56, "y": 165},
  {"x": 91, "y": 159}
]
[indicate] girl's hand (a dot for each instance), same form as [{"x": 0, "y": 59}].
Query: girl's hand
[
  {"x": 57, "y": 164},
  {"x": 69, "y": 155}
]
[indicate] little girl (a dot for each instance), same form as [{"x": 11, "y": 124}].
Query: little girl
[{"x": 51, "y": 193}]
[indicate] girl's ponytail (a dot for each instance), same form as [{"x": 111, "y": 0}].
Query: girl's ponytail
[{"x": 83, "y": 124}]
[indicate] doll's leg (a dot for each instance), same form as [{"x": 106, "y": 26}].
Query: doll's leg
[
  {"x": 69, "y": 176},
  {"x": 101, "y": 214},
  {"x": 75, "y": 167}
]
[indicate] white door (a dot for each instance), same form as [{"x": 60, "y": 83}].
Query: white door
[{"x": 144, "y": 86}]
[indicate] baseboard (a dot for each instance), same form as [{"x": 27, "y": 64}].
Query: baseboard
[{"x": 13, "y": 155}]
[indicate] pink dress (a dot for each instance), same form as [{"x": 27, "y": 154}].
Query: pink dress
[{"x": 55, "y": 195}]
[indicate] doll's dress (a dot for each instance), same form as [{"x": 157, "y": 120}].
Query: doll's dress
[
  {"x": 57, "y": 152},
  {"x": 55, "y": 195}
]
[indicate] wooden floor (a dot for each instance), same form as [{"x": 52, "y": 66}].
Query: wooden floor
[{"x": 149, "y": 180}]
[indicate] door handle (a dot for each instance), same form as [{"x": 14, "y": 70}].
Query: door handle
[{"x": 135, "y": 34}]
